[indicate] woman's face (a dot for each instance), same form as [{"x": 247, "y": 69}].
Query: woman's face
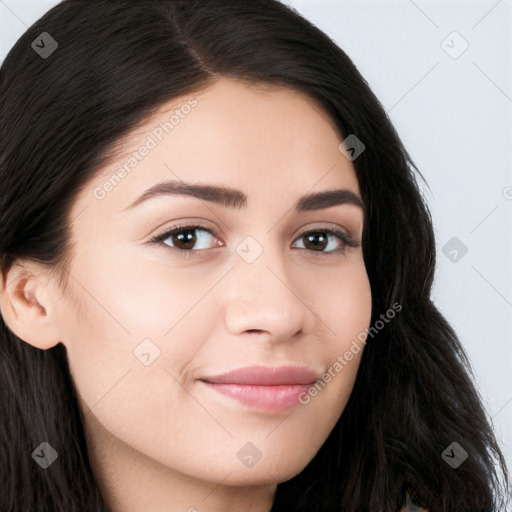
[{"x": 149, "y": 321}]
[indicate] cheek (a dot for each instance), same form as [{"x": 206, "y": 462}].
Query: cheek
[
  {"x": 118, "y": 331},
  {"x": 347, "y": 303},
  {"x": 138, "y": 297},
  {"x": 129, "y": 380},
  {"x": 347, "y": 307}
]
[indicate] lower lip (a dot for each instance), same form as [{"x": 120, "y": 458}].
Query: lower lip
[{"x": 263, "y": 398}]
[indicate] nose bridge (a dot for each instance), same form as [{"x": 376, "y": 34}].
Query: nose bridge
[{"x": 261, "y": 295}]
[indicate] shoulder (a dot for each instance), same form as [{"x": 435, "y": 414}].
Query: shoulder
[{"x": 412, "y": 504}]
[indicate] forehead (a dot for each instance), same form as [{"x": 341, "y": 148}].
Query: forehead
[{"x": 257, "y": 138}]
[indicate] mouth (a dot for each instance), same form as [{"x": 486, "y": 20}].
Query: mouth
[{"x": 267, "y": 389}]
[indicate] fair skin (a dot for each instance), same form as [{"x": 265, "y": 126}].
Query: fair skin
[{"x": 159, "y": 439}]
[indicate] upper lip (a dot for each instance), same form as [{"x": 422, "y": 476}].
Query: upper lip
[{"x": 265, "y": 376}]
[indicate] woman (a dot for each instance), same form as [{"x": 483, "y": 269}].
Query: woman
[{"x": 217, "y": 268}]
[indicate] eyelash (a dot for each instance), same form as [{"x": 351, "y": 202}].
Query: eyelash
[{"x": 159, "y": 239}]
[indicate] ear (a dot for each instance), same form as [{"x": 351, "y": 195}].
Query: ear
[{"x": 27, "y": 305}]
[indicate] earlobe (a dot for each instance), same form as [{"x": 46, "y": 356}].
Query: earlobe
[{"x": 26, "y": 307}]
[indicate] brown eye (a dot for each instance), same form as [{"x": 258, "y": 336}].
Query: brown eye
[
  {"x": 320, "y": 239},
  {"x": 316, "y": 240},
  {"x": 185, "y": 239}
]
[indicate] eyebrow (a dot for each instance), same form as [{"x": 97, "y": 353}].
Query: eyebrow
[{"x": 232, "y": 198}]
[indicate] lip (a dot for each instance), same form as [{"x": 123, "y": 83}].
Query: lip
[
  {"x": 265, "y": 376},
  {"x": 267, "y": 389}
]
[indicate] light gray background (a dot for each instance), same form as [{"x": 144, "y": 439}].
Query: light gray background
[{"x": 453, "y": 111}]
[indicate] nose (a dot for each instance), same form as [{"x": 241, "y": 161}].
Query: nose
[{"x": 265, "y": 296}]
